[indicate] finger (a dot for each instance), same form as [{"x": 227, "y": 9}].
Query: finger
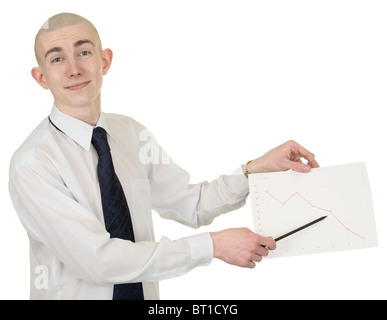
[
  {"x": 273, "y": 244},
  {"x": 309, "y": 156},
  {"x": 314, "y": 164},
  {"x": 268, "y": 242},
  {"x": 256, "y": 258},
  {"x": 298, "y": 166},
  {"x": 261, "y": 251}
]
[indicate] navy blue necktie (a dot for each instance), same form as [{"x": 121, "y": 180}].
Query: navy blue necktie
[{"x": 115, "y": 209}]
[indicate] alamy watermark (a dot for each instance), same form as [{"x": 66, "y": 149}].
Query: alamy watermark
[
  {"x": 151, "y": 152},
  {"x": 41, "y": 278}
]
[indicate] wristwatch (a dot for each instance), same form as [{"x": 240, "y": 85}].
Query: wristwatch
[{"x": 245, "y": 170}]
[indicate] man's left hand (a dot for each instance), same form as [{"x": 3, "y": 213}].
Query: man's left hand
[{"x": 287, "y": 156}]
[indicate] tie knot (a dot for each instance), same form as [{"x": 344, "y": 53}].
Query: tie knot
[{"x": 99, "y": 141}]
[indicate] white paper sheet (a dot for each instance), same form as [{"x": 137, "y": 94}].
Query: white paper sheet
[{"x": 284, "y": 201}]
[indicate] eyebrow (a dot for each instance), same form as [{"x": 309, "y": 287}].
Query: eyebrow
[
  {"x": 76, "y": 45},
  {"x": 55, "y": 49},
  {"x": 81, "y": 42}
]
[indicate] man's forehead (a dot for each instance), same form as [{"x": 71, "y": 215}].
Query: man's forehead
[{"x": 72, "y": 33}]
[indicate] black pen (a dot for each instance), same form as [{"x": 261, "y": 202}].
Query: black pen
[{"x": 300, "y": 228}]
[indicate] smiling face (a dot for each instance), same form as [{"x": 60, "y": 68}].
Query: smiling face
[{"x": 72, "y": 65}]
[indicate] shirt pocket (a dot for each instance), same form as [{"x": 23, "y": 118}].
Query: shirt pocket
[{"x": 141, "y": 209}]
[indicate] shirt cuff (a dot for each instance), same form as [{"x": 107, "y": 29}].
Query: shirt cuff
[
  {"x": 238, "y": 182},
  {"x": 202, "y": 249}
]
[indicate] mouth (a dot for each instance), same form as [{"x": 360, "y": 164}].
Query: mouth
[{"x": 78, "y": 86}]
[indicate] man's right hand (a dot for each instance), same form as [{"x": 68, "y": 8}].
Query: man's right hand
[{"x": 241, "y": 246}]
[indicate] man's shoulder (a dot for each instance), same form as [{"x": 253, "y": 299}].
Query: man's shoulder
[
  {"x": 37, "y": 140},
  {"x": 123, "y": 122}
]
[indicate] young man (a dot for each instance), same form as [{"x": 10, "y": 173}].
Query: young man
[{"x": 56, "y": 187}]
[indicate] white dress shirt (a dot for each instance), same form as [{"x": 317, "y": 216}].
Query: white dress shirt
[{"x": 54, "y": 187}]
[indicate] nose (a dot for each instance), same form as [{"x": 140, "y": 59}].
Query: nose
[{"x": 73, "y": 69}]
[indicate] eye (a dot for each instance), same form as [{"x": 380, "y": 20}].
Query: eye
[
  {"x": 57, "y": 60},
  {"x": 85, "y": 53}
]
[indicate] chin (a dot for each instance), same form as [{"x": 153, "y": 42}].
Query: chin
[{"x": 82, "y": 100}]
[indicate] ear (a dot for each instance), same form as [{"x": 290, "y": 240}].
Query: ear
[
  {"x": 107, "y": 57},
  {"x": 37, "y": 74}
]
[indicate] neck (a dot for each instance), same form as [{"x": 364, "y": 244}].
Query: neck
[{"x": 87, "y": 113}]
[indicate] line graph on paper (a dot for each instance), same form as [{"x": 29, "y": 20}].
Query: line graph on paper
[
  {"x": 284, "y": 201},
  {"x": 330, "y": 212}
]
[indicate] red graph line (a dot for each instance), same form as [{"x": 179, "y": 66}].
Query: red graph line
[{"x": 312, "y": 205}]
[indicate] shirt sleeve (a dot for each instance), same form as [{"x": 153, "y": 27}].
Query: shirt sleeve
[
  {"x": 194, "y": 205},
  {"x": 74, "y": 235}
]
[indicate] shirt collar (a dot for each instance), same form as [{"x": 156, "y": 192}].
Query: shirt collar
[{"x": 77, "y": 130}]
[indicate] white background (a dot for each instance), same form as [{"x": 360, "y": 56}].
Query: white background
[{"x": 219, "y": 83}]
